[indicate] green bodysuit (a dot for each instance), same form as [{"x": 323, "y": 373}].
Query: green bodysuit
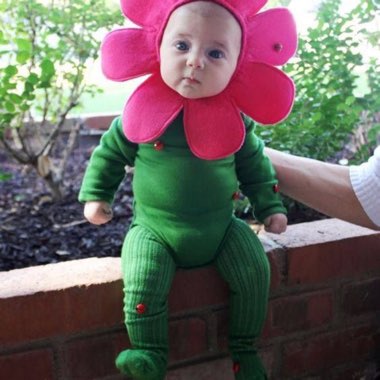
[{"x": 183, "y": 217}]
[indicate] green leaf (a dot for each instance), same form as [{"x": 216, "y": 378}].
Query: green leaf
[
  {"x": 45, "y": 84},
  {"x": 7, "y": 117},
  {"x": 23, "y": 57},
  {"x": 316, "y": 117},
  {"x": 9, "y": 106},
  {"x": 24, "y": 107},
  {"x": 341, "y": 107},
  {"x": 11, "y": 70},
  {"x": 47, "y": 69},
  {"x": 9, "y": 86},
  {"x": 350, "y": 100},
  {"x": 28, "y": 87},
  {"x": 32, "y": 78},
  {"x": 17, "y": 99},
  {"x": 24, "y": 45}
]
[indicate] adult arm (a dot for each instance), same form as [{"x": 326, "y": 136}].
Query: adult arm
[{"x": 322, "y": 186}]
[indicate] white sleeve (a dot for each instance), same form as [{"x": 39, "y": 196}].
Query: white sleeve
[{"x": 365, "y": 180}]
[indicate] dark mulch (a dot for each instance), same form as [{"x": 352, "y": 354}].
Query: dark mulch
[{"x": 34, "y": 230}]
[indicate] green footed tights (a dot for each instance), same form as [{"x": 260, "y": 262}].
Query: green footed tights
[
  {"x": 148, "y": 270},
  {"x": 243, "y": 263}
]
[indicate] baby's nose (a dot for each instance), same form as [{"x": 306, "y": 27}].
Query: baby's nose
[{"x": 195, "y": 61}]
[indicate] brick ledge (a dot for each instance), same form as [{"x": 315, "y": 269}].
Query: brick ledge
[{"x": 325, "y": 285}]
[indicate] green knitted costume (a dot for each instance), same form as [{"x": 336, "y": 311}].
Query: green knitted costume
[{"x": 183, "y": 218}]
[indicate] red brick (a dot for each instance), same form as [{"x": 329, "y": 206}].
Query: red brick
[
  {"x": 58, "y": 299},
  {"x": 361, "y": 298},
  {"x": 267, "y": 357},
  {"x": 358, "y": 372},
  {"x": 188, "y": 339},
  {"x": 95, "y": 306},
  {"x": 31, "y": 365},
  {"x": 296, "y": 313},
  {"x": 30, "y": 317},
  {"x": 222, "y": 329},
  {"x": 334, "y": 260},
  {"x": 205, "y": 288},
  {"x": 196, "y": 289},
  {"x": 220, "y": 369},
  {"x": 93, "y": 357},
  {"x": 120, "y": 341},
  {"x": 99, "y": 122},
  {"x": 328, "y": 350},
  {"x": 277, "y": 268},
  {"x": 60, "y": 312}
]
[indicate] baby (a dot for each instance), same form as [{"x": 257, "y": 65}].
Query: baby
[{"x": 183, "y": 203}]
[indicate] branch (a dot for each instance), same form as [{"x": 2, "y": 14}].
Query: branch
[
  {"x": 25, "y": 147},
  {"x": 73, "y": 102},
  {"x": 53, "y": 135},
  {"x": 14, "y": 153},
  {"x": 46, "y": 108},
  {"x": 69, "y": 147}
]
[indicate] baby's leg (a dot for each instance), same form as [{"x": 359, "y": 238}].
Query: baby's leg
[
  {"x": 244, "y": 265},
  {"x": 148, "y": 270}
]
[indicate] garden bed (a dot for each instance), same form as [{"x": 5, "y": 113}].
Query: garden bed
[{"x": 34, "y": 230}]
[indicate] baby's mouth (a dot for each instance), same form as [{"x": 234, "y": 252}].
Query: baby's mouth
[{"x": 191, "y": 79}]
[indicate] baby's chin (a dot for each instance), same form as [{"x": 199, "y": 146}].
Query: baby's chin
[
  {"x": 192, "y": 90},
  {"x": 191, "y": 93}
]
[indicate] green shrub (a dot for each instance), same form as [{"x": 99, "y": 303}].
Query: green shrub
[
  {"x": 45, "y": 47},
  {"x": 327, "y": 109}
]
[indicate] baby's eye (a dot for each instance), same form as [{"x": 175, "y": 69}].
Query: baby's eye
[
  {"x": 216, "y": 54},
  {"x": 182, "y": 45}
]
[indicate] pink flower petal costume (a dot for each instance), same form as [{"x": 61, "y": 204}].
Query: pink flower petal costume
[
  {"x": 215, "y": 133},
  {"x": 257, "y": 88}
]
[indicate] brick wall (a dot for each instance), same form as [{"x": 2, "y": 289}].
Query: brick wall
[{"x": 64, "y": 321}]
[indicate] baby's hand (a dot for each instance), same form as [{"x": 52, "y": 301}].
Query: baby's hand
[
  {"x": 276, "y": 223},
  {"x": 97, "y": 212}
]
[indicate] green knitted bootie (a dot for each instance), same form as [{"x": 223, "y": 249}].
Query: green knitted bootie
[
  {"x": 248, "y": 366},
  {"x": 141, "y": 365}
]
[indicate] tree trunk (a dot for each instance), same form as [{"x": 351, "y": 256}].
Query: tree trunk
[{"x": 55, "y": 186}]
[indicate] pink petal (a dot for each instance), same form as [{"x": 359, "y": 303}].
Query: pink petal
[
  {"x": 148, "y": 13},
  {"x": 214, "y": 127},
  {"x": 246, "y": 8},
  {"x": 263, "y": 92},
  {"x": 150, "y": 110},
  {"x": 128, "y": 53},
  {"x": 272, "y": 37}
]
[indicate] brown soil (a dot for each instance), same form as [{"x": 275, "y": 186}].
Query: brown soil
[{"x": 34, "y": 230}]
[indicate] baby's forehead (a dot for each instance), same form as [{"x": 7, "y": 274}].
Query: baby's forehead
[{"x": 207, "y": 10}]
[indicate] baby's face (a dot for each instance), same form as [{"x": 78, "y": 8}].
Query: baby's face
[{"x": 200, "y": 49}]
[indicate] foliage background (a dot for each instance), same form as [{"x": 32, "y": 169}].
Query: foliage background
[
  {"x": 328, "y": 114},
  {"x": 45, "y": 74},
  {"x": 45, "y": 49},
  {"x": 330, "y": 120}
]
